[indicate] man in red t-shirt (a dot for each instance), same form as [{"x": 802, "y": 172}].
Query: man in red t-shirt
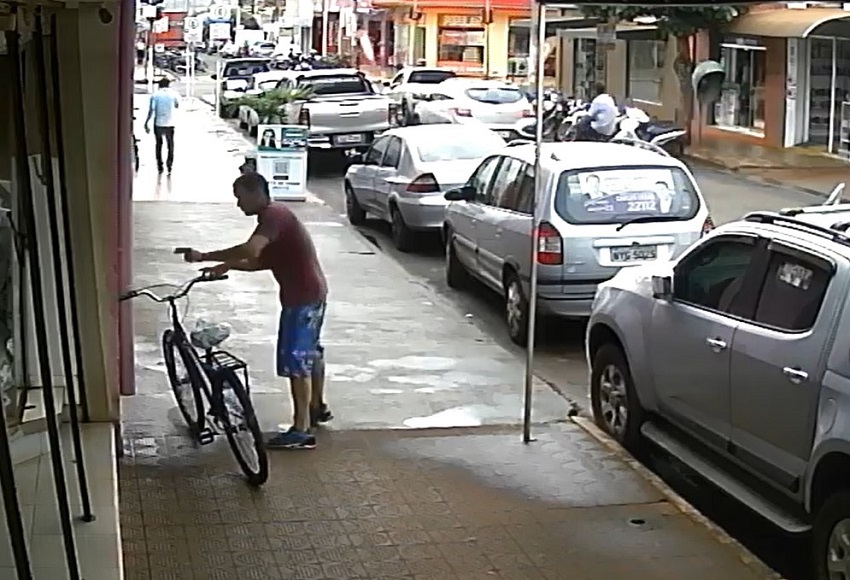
[{"x": 281, "y": 244}]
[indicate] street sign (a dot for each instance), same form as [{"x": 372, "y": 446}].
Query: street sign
[
  {"x": 219, "y": 12},
  {"x": 192, "y": 29},
  {"x": 219, "y": 30}
]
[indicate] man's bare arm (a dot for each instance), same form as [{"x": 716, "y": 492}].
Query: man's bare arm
[
  {"x": 248, "y": 266},
  {"x": 250, "y": 250}
]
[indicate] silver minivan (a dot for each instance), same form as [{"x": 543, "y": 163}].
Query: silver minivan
[{"x": 603, "y": 206}]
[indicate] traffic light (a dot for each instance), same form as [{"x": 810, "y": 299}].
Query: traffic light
[{"x": 707, "y": 81}]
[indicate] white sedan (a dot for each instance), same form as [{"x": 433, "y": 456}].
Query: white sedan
[
  {"x": 495, "y": 104},
  {"x": 403, "y": 176}
]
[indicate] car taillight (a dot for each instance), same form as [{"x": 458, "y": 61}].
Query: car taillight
[
  {"x": 426, "y": 183},
  {"x": 707, "y": 225},
  {"x": 549, "y": 245},
  {"x": 304, "y": 117},
  {"x": 462, "y": 112},
  {"x": 392, "y": 114}
]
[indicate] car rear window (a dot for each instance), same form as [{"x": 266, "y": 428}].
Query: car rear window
[
  {"x": 494, "y": 95},
  {"x": 617, "y": 195},
  {"x": 473, "y": 145},
  {"x": 430, "y": 77},
  {"x": 336, "y": 84},
  {"x": 245, "y": 69}
]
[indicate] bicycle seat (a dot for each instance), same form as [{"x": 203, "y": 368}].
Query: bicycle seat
[{"x": 207, "y": 336}]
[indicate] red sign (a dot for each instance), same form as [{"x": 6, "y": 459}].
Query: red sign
[{"x": 174, "y": 36}]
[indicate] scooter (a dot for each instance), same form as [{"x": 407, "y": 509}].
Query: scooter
[
  {"x": 568, "y": 128},
  {"x": 553, "y": 113},
  {"x": 638, "y": 125}
]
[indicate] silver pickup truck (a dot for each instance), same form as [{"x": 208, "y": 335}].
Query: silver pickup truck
[{"x": 344, "y": 112}]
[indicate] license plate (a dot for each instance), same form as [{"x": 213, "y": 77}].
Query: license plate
[
  {"x": 634, "y": 254},
  {"x": 349, "y": 139}
]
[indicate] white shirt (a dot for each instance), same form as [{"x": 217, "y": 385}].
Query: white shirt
[{"x": 603, "y": 112}]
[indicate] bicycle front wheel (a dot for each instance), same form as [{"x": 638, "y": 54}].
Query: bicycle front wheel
[
  {"x": 185, "y": 379},
  {"x": 242, "y": 428}
]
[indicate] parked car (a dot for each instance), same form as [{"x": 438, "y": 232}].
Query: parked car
[
  {"x": 413, "y": 84},
  {"x": 735, "y": 358},
  {"x": 236, "y": 77},
  {"x": 259, "y": 84},
  {"x": 402, "y": 177},
  {"x": 262, "y": 49},
  {"x": 496, "y": 104},
  {"x": 344, "y": 113},
  {"x": 603, "y": 207}
]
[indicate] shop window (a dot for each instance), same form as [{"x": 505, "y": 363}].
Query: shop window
[
  {"x": 519, "y": 48},
  {"x": 584, "y": 67},
  {"x": 741, "y": 104},
  {"x": 646, "y": 69},
  {"x": 461, "y": 43}
]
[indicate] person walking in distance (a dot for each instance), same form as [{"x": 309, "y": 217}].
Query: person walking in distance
[
  {"x": 280, "y": 243},
  {"x": 161, "y": 112}
]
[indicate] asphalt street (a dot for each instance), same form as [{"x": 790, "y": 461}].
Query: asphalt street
[{"x": 559, "y": 355}]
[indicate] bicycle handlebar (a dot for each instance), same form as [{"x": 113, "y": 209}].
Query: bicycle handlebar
[{"x": 180, "y": 293}]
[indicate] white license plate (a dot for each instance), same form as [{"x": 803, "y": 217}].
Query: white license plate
[
  {"x": 349, "y": 139},
  {"x": 634, "y": 254}
]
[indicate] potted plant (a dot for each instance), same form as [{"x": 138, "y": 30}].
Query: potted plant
[{"x": 273, "y": 106}]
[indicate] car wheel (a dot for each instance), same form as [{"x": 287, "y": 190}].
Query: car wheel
[
  {"x": 456, "y": 275},
  {"x": 356, "y": 214},
  {"x": 831, "y": 537},
  {"x": 402, "y": 235},
  {"x": 516, "y": 310},
  {"x": 616, "y": 408}
]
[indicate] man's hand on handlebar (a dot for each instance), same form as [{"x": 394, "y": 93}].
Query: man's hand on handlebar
[{"x": 216, "y": 271}]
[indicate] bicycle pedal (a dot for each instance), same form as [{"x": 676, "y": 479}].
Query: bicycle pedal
[{"x": 206, "y": 436}]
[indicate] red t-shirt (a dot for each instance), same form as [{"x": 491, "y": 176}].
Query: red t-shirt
[{"x": 291, "y": 256}]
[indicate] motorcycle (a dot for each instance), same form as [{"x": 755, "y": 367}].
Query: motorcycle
[
  {"x": 553, "y": 113},
  {"x": 568, "y": 129},
  {"x": 637, "y": 125}
]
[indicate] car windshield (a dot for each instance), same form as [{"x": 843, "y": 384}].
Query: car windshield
[
  {"x": 619, "y": 195},
  {"x": 336, "y": 84},
  {"x": 495, "y": 95},
  {"x": 245, "y": 68},
  {"x": 430, "y": 77},
  {"x": 472, "y": 145}
]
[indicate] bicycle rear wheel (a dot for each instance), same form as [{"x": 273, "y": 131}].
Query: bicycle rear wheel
[
  {"x": 185, "y": 381},
  {"x": 242, "y": 428}
]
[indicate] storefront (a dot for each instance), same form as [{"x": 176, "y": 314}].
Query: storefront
[
  {"x": 741, "y": 106},
  {"x": 461, "y": 35}
]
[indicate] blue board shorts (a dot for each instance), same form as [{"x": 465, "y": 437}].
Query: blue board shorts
[{"x": 298, "y": 340}]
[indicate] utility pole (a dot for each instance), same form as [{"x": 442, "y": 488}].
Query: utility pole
[
  {"x": 325, "y": 18},
  {"x": 487, "y": 19}
]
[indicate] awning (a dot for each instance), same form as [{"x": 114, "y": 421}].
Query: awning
[
  {"x": 555, "y": 25},
  {"x": 793, "y": 23},
  {"x": 623, "y": 32}
]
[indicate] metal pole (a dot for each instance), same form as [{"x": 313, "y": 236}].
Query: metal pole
[
  {"x": 56, "y": 245},
  {"x": 219, "y": 69},
  {"x": 339, "y": 32},
  {"x": 325, "y": 13},
  {"x": 487, "y": 18},
  {"x": 150, "y": 68},
  {"x": 14, "y": 524},
  {"x": 538, "y": 189},
  {"x": 26, "y": 197},
  {"x": 832, "y": 82}
]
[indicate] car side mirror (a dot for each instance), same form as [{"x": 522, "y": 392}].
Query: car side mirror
[
  {"x": 465, "y": 193},
  {"x": 214, "y": 77},
  {"x": 662, "y": 287}
]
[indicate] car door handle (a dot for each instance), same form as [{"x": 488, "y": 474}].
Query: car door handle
[
  {"x": 795, "y": 375},
  {"x": 716, "y": 344},
  {"x": 498, "y": 232}
]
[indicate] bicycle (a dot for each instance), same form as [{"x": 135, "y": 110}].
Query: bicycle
[{"x": 210, "y": 374}]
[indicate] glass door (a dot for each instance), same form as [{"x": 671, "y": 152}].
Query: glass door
[
  {"x": 742, "y": 102},
  {"x": 820, "y": 90}
]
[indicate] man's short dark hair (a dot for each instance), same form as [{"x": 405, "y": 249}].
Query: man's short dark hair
[
  {"x": 164, "y": 83},
  {"x": 252, "y": 182},
  {"x": 601, "y": 89}
]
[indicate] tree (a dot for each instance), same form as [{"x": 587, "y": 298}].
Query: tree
[{"x": 681, "y": 22}]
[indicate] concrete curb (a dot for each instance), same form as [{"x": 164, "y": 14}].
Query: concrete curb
[
  {"x": 747, "y": 557},
  {"x": 740, "y": 172}
]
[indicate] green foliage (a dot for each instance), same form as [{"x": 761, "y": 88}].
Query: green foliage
[
  {"x": 270, "y": 105},
  {"x": 672, "y": 20}
]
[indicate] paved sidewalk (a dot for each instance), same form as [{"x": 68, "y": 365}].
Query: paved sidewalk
[
  {"x": 798, "y": 167},
  {"x": 385, "y": 495}
]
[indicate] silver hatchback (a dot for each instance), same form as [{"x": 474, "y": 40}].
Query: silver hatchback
[{"x": 603, "y": 206}]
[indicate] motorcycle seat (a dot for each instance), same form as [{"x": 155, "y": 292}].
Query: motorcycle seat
[{"x": 656, "y": 128}]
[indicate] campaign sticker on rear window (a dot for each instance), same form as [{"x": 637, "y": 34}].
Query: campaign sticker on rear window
[{"x": 796, "y": 275}]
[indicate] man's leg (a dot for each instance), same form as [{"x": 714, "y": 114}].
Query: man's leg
[
  {"x": 157, "y": 134},
  {"x": 293, "y": 362},
  {"x": 319, "y": 411},
  {"x": 169, "y": 139}
]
